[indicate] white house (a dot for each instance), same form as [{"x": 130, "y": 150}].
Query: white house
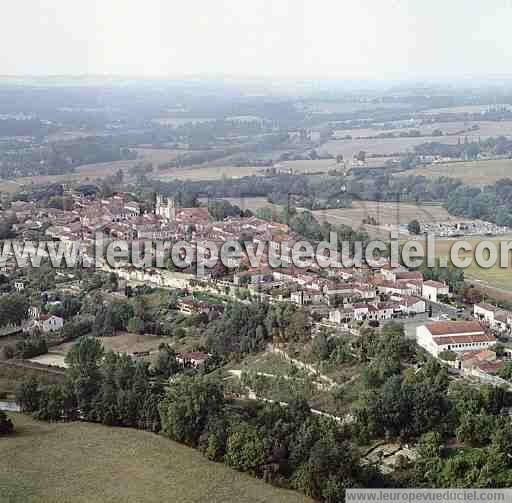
[
  {"x": 497, "y": 319},
  {"x": 390, "y": 273},
  {"x": 484, "y": 312},
  {"x": 194, "y": 359},
  {"x": 431, "y": 290},
  {"x": 365, "y": 291},
  {"x": 19, "y": 286},
  {"x": 412, "y": 305},
  {"x": 381, "y": 311},
  {"x": 457, "y": 336},
  {"x": 34, "y": 312},
  {"x": 396, "y": 289},
  {"x": 307, "y": 296},
  {"x": 340, "y": 316},
  {"x": 49, "y": 323}
]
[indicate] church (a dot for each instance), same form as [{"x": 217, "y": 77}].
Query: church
[{"x": 165, "y": 208}]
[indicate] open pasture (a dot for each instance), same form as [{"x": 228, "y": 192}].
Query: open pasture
[
  {"x": 51, "y": 462},
  {"x": 380, "y": 146},
  {"x": 207, "y": 173},
  {"x": 476, "y": 173}
]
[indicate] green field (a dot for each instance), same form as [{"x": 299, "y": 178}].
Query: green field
[
  {"x": 494, "y": 277},
  {"x": 476, "y": 173},
  {"x": 89, "y": 463}
]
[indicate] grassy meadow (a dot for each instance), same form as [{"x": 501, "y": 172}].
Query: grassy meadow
[
  {"x": 493, "y": 277},
  {"x": 89, "y": 463},
  {"x": 476, "y": 173}
]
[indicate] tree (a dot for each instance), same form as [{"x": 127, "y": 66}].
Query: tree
[
  {"x": 330, "y": 468},
  {"x": 6, "y": 426},
  {"x": 84, "y": 373},
  {"x": 246, "y": 449},
  {"x": 321, "y": 347},
  {"x": 13, "y": 309},
  {"x": 414, "y": 227},
  {"x": 166, "y": 364},
  {"x": 141, "y": 308},
  {"x": 428, "y": 464},
  {"x": 188, "y": 407},
  {"x": 54, "y": 403},
  {"x": 122, "y": 312},
  {"x": 213, "y": 441},
  {"x": 71, "y": 306},
  {"x": 148, "y": 415},
  {"x": 476, "y": 430},
  {"x": 28, "y": 395}
]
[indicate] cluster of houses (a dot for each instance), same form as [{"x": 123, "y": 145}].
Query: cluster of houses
[
  {"x": 45, "y": 323},
  {"x": 358, "y": 293},
  {"x": 406, "y": 293},
  {"x": 470, "y": 345},
  {"x": 361, "y": 293}
]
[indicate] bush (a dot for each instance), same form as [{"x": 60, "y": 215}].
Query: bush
[{"x": 448, "y": 356}]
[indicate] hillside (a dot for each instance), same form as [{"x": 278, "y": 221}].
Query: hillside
[{"x": 81, "y": 462}]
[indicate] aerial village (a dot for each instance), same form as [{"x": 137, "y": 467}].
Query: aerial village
[{"x": 340, "y": 300}]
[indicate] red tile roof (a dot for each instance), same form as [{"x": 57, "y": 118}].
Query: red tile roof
[
  {"x": 491, "y": 367},
  {"x": 454, "y": 327},
  {"x": 434, "y": 284},
  {"x": 410, "y": 300},
  {"x": 409, "y": 275}
]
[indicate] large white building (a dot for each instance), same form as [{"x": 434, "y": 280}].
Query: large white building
[{"x": 457, "y": 336}]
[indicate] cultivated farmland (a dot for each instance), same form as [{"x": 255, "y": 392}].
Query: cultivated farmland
[{"x": 386, "y": 214}]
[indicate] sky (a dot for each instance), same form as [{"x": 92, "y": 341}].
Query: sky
[{"x": 342, "y": 39}]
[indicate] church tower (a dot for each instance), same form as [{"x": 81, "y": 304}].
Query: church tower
[
  {"x": 165, "y": 208},
  {"x": 171, "y": 209},
  {"x": 158, "y": 204}
]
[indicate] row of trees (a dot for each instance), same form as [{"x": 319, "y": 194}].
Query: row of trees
[
  {"x": 29, "y": 347},
  {"x": 492, "y": 203},
  {"x": 102, "y": 387},
  {"x": 288, "y": 446}
]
